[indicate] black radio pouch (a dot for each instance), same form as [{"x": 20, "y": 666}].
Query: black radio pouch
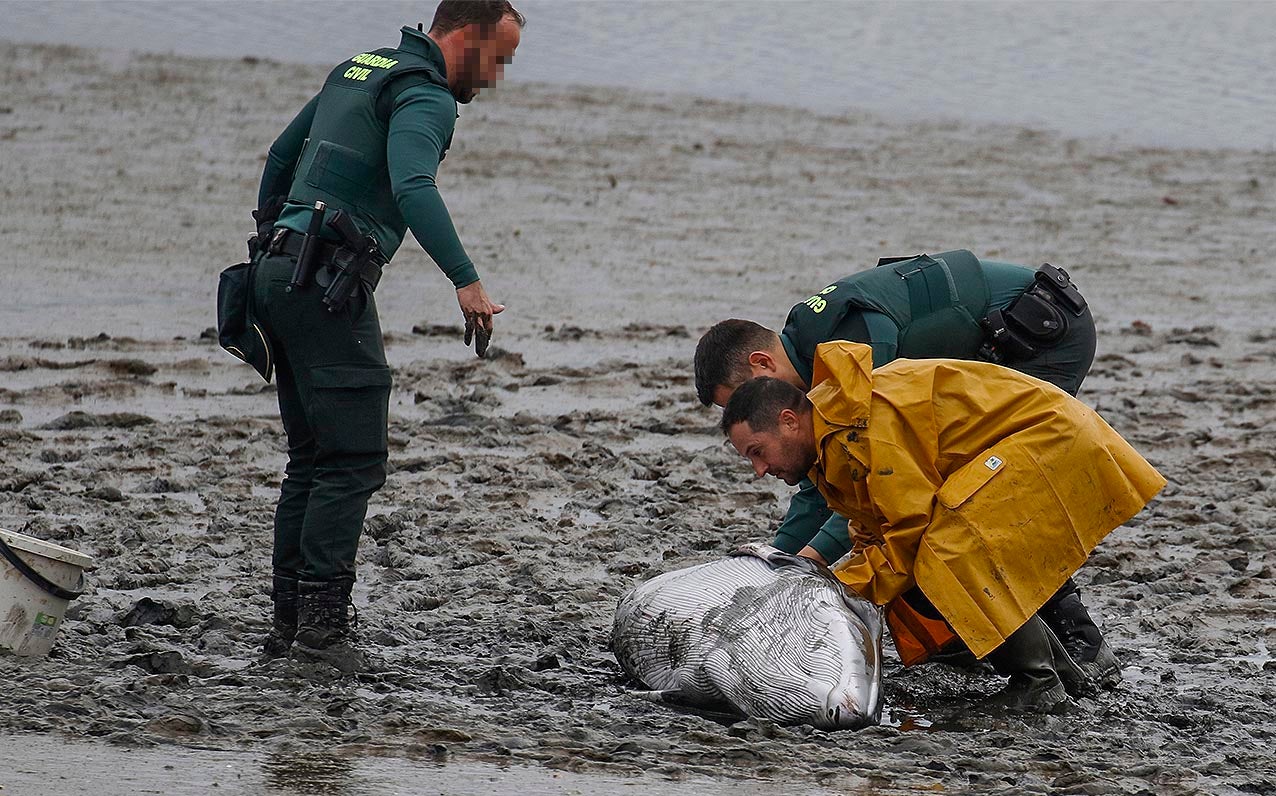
[{"x": 1037, "y": 315}]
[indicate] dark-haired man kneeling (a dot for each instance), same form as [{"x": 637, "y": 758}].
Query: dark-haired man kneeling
[
  {"x": 986, "y": 511},
  {"x": 952, "y": 305}
]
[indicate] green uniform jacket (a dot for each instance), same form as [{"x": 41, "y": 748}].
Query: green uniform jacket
[
  {"x": 370, "y": 143},
  {"x": 916, "y": 308}
]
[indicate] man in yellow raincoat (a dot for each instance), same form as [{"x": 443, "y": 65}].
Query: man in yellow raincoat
[{"x": 983, "y": 487}]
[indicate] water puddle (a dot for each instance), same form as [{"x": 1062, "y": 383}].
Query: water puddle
[{"x": 36, "y": 765}]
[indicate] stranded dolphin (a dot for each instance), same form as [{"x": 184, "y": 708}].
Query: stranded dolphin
[{"x": 760, "y": 633}]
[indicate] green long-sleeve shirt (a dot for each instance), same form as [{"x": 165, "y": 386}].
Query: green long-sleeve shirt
[{"x": 420, "y": 128}]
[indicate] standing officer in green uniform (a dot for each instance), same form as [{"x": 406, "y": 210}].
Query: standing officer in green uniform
[
  {"x": 354, "y": 170},
  {"x": 952, "y": 305}
]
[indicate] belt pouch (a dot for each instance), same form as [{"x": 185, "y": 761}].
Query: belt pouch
[
  {"x": 236, "y": 330},
  {"x": 1037, "y": 315}
]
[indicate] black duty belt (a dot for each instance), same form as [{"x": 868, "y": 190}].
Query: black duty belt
[
  {"x": 338, "y": 269},
  {"x": 287, "y": 241}
]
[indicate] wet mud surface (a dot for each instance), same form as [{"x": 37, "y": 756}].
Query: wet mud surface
[{"x": 530, "y": 490}]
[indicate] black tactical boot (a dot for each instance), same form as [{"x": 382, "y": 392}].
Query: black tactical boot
[
  {"x": 1067, "y": 616},
  {"x": 324, "y": 629},
  {"x": 1037, "y": 665},
  {"x": 284, "y": 594}
]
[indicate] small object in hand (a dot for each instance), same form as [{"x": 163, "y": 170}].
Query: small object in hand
[{"x": 474, "y": 331}]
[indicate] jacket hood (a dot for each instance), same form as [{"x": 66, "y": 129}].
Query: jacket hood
[{"x": 841, "y": 385}]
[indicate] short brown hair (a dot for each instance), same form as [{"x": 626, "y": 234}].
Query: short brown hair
[
  {"x": 455, "y": 14},
  {"x": 722, "y": 355},
  {"x": 759, "y": 403}
]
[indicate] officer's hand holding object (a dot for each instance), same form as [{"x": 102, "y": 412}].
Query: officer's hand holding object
[{"x": 478, "y": 310}]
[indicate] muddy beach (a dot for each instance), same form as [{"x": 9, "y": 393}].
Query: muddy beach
[{"x": 528, "y": 491}]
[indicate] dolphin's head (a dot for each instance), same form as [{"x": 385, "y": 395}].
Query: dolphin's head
[{"x": 854, "y": 700}]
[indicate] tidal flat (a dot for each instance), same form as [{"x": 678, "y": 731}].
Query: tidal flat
[{"x": 528, "y": 491}]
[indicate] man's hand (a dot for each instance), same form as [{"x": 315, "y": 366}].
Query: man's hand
[
  {"x": 813, "y": 554},
  {"x": 478, "y": 310}
]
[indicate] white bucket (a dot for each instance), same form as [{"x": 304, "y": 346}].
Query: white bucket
[{"x": 31, "y": 612}]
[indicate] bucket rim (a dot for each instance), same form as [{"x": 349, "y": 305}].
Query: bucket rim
[{"x": 39, "y": 547}]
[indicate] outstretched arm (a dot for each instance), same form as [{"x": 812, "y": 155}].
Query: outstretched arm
[
  {"x": 421, "y": 125},
  {"x": 807, "y": 512}
]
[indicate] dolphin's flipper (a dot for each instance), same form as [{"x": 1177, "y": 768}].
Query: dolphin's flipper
[{"x": 655, "y": 696}]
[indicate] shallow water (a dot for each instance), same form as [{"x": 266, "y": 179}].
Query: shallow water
[
  {"x": 33, "y": 765},
  {"x": 1159, "y": 73}
]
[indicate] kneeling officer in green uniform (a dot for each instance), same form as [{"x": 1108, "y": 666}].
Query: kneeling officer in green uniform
[
  {"x": 357, "y": 167},
  {"x": 952, "y": 305}
]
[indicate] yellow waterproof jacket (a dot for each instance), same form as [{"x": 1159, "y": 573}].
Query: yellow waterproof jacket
[{"x": 983, "y": 486}]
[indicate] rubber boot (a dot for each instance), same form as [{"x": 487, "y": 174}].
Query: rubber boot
[
  {"x": 1067, "y": 616},
  {"x": 1037, "y": 665},
  {"x": 324, "y": 628},
  {"x": 283, "y": 629}
]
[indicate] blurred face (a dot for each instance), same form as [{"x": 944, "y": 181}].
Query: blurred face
[
  {"x": 484, "y": 57},
  {"x": 786, "y": 452}
]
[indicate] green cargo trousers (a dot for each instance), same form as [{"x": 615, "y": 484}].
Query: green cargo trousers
[{"x": 334, "y": 396}]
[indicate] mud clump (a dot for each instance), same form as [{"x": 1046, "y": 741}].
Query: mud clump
[{"x": 78, "y": 420}]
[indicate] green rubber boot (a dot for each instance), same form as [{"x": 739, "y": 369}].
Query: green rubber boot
[{"x": 1038, "y": 666}]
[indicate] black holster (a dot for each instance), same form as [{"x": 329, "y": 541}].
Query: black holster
[
  {"x": 358, "y": 262},
  {"x": 347, "y": 272}
]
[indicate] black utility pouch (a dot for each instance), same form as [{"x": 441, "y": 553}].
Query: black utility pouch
[
  {"x": 1038, "y": 316},
  {"x": 236, "y": 331}
]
